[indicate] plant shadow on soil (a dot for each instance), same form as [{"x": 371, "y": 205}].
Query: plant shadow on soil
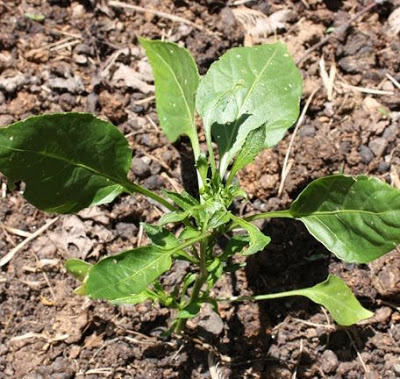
[{"x": 293, "y": 260}]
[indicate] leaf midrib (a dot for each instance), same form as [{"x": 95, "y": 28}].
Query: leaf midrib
[
  {"x": 251, "y": 89},
  {"x": 332, "y": 300},
  {"x": 163, "y": 254},
  {"x": 72, "y": 163},
  {"x": 188, "y": 111},
  {"x": 343, "y": 211}
]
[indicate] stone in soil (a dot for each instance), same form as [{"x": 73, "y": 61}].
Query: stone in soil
[
  {"x": 153, "y": 182},
  {"x": 6, "y": 119},
  {"x": 67, "y": 101},
  {"x": 366, "y": 154},
  {"x": 383, "y": 167},
  {"x": 73, "y": 84},
  {"x": 329, "y": 361},
  {"x": 207, "y": 324},
  {"x": 126, "y": 229},
  {"x": 378, "y": 146},
  {"x": 92, "y": 102},
  {"x": 307, "y": 131},
  {"x": 140, "y": 168}
]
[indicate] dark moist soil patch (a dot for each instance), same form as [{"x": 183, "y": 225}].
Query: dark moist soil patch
[{"x": 67, "y": 62}]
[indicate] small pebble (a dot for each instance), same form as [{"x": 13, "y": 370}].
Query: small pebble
[
  {"x": 140, "y": 168},
  {"x": 155, "y": 168},
  {"x": 6, "y": 119},
  {"x": 345, "y": 147},
  {"x": 126, "y": 229},
  {"x": 383, "y": 167},
  {"x": 34, "y": 375},
  {"x": 354, "y": 64},
  {"x": 210, "y": 324},
  {"x": 390, "y": 132},
  {"x": 92, "y": 102},
  {"x": 378, "y": 146},
  {"x": 153, "y": 182},
  {"x": 80, "y": 59},
  {"x": 329, "y": 361},
  {"x": 72, "y": 84},
  {"x": 67, "y": 101},
  {"x": 167, "y": 156},
  {"x": 366, "y": 154},
  {"x": 83, "y": 49},
  {"x": 307, "y": 131}
]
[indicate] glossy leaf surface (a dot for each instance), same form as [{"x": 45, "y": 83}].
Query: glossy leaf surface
[
  {"x": 335, "y": 296},
  {"x": 68, "y": 161},
  {"x": 246, "y": 88},
  {"x": 257, "y": 239},
  {"x": 78, "y": 269},
  {"x": 176, "y": 80},
  {"x": 135, "y": 299},
  {"x": 255, "y": 142},
  {"x": 358, "y": 219},
  {"x": 127, "y": 273}
]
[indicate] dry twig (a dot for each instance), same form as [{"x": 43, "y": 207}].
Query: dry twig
[
  {"x": 285, "y": 170},
  {"x": 259, "y": 26},
  {"x": 215, "y": 372},
  {"x": 364, "y": 366},
  {"x": 393, "y": 80},
  {"x": 10, "y": 255},
  {"x": 136, "y": 8},
  {"x": 372, "y": 91}
]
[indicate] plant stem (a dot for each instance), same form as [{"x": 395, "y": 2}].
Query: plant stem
[
  {"x": 211, "y": 154},
  {"x": 264, "y": 297},
  {"x": 230, "y": 178},
  {"x": 274, "y": 214},
  {"x": 198, "y": 284},
  {"x": 133, "y": 187},
  {"x": 195, "y": 146}
]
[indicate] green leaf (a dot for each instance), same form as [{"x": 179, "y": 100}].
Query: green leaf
[
  {"x": 135, "y": 299},
  {"x": 34, "y": 16},
  {"x": 127, "y": 273},
  {"x": 173, "y": 217},
  {"x": 254, "y": 143},
  {"x": 190, "y": 311},
  {"x": 335, "y": 296},
  {"x": 258, "y": 240},
  {"x": 234, "y": 245},
  {"x": 184, "y": 200},
  {"x": 246, "y": 88},
  {"x": 176, "y": 79},
  {"x": 332, "y": 293},
  {"x": 131, "y": 272},
  {"x": 160, "y": 236},
  {"x": 358, "y": 219},
  {"x": 68, "y": 161},
  {"x": 78, "y": 269},
  {"x": 202, "y": 167},
  {"x": 188, "y": 233}
]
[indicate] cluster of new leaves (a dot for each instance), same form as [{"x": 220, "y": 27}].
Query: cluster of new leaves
[{"x": 247, "y": 100}]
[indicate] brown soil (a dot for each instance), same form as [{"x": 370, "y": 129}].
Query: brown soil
[{"x": 68, "y": 62}]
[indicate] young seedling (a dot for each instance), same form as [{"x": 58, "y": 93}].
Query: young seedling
[{"x": 247, "y": 100}]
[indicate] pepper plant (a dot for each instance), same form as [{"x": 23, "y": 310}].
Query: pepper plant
[{"x": 247, "y": 100}]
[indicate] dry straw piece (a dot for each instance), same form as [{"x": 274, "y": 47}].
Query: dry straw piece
[
  {"x": 394, "y": 21},
  {"x": 259, "y": 26}
]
